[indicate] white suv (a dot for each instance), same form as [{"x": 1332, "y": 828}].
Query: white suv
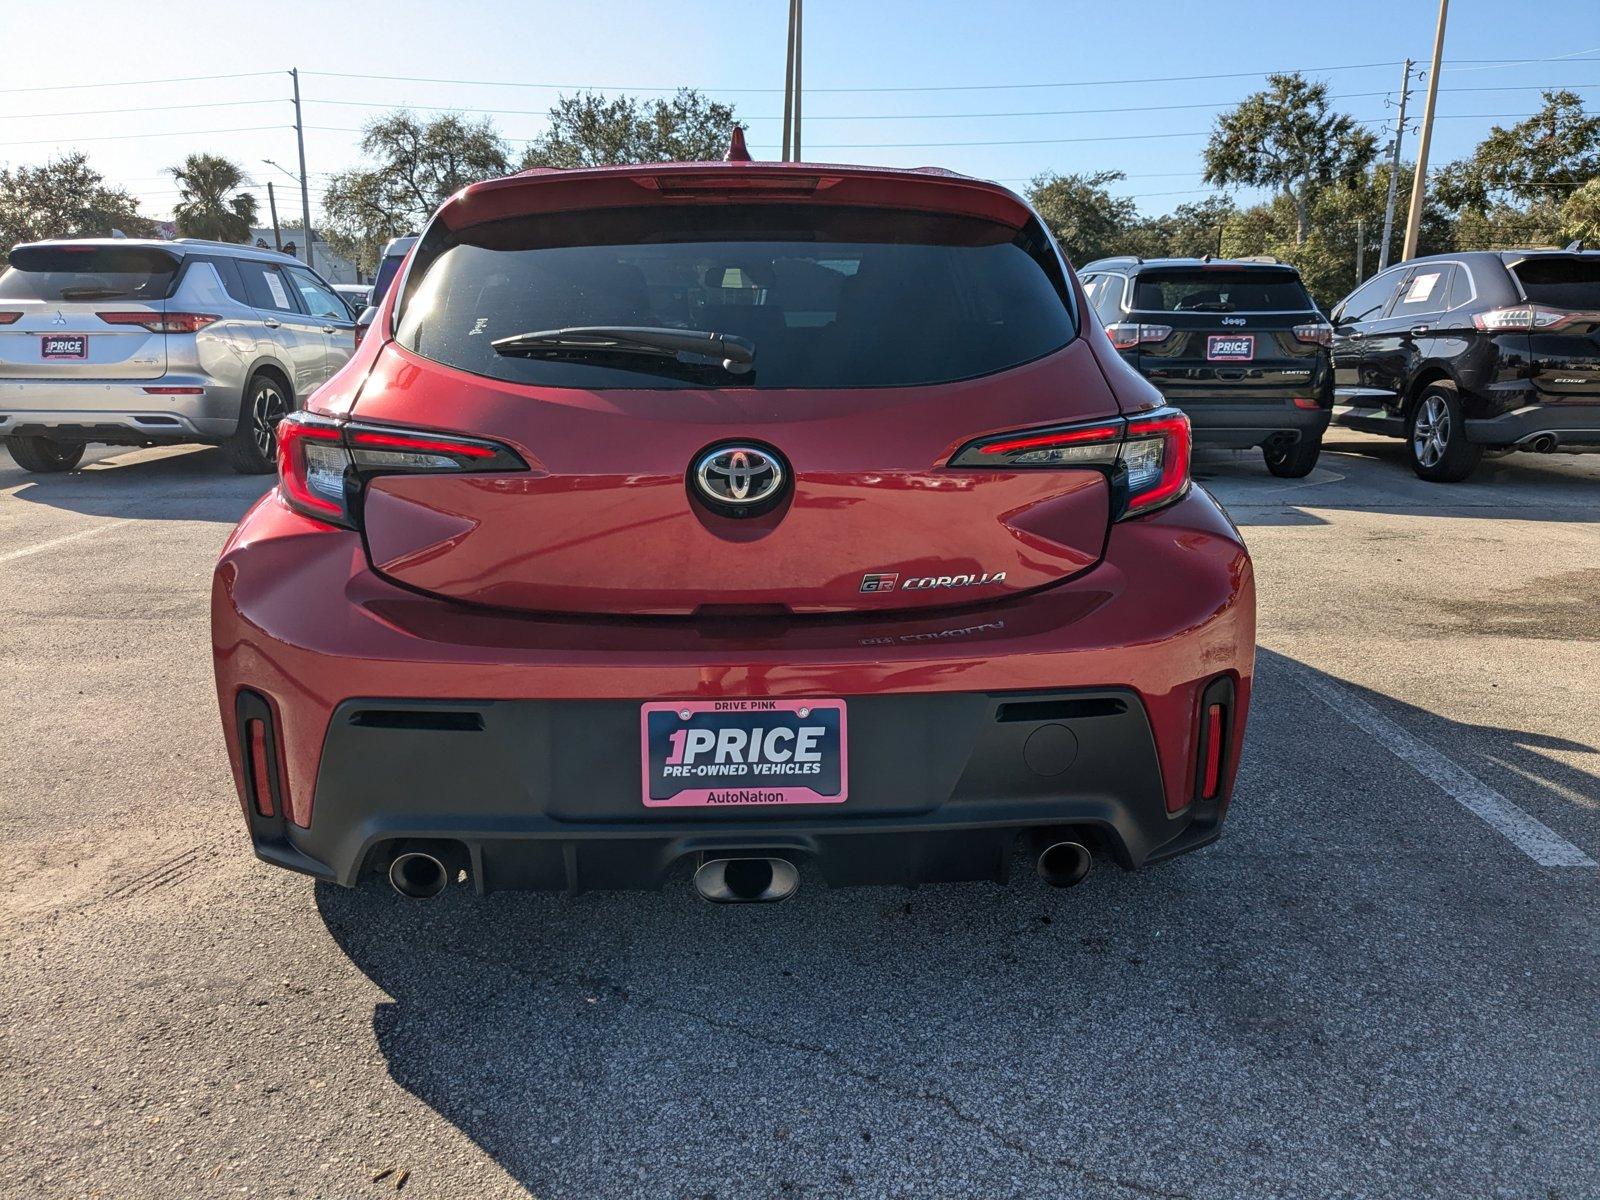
[{"x": 130, "y": 342}]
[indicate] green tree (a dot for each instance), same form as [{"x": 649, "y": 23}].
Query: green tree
[
  {"x": 1580, "y": 215},
  {"x": 65, "y": 198},
  {"x": 1286, "y": 138},
  {"x": 1085, "y": 217},
  {"x": 1189, "y": 231},
  {"x": 210, "y": 204},
  {"x": 587, "y": 130},
  {"x": 1539, "y": 161},
  {"x": 414, "y": 166}
]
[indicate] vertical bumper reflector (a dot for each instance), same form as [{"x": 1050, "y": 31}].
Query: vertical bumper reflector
[
  {"x": 1213, "y": 765},
  {"x": 260, "y": 775}
]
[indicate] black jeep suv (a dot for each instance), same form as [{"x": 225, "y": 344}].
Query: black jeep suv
[
  {"x": 1236, "y": 343},
  {"x": 1463, "y": 354}
]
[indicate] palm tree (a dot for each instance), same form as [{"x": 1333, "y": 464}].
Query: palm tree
[{"x": 210, "y": 204}]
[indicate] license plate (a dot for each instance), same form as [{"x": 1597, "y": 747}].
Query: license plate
[
  {"x": 1230, "y": 347},
  {"x": 62, "y": 345},
  {"x": 743, "y": 753}
]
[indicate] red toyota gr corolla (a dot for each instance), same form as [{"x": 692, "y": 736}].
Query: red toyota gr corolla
[{"x": 737, "y": 520}]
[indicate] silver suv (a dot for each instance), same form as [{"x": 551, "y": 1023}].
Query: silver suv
[{"x": 130, "y": 342}]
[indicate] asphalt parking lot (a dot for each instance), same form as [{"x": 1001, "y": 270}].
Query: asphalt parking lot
[{"x": 1382, "y": 982}]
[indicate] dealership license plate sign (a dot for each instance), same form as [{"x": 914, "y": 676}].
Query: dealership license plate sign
[
  {"x": 743, "y": 753},
  {"x": 63, "y": 345},
  {"x": 1230, "y": 347}
]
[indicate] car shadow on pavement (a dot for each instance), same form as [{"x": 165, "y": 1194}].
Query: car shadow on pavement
[
  {"x": 977, "y": 1039},
  {"x": 183, "y": 484}
]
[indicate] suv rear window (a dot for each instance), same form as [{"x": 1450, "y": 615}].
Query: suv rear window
[
  {"x": 830, "y": 297},
  {"x": 1220, "y": 289},
  {"x": 387, "y": 270},
  {"x": 67, "y": 273},
  {"x": 1561, "y": 282}
]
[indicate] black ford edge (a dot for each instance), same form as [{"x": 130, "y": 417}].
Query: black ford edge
[{"x": 1476, "y": 353}]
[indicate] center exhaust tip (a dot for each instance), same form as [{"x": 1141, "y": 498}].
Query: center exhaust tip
[
  {"x": 746, "y": 880},
  {"x": 417, "y": 874},
  {"x": 1064, "y": 864}
]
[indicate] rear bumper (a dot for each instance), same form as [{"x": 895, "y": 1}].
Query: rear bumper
[
  {"x": 1225, "y": 422},
  {"x": 1574, "y": 427},
  {"x": 118, "y": 410},
  {"x": 534, "y": 767}
]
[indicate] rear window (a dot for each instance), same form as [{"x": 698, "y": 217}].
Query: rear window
[
  {"x": 830, "y": 298},
  {"x": 1219, "y": 289},
  {"x": 387, "y": 270},
  {"x": 67, "y": 273},
  {"x": 1561, "y": 282}
]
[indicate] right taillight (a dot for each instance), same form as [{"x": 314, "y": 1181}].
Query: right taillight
[
  {"x": 1316, "y": 333},
  {"x": 1146, "y": 457},
  {"x": 1524, "y": 318},
  {"x": 322, "y": 463},
  {"x": 1125, "y": 335},
  {"x": 1156, "y": 457}
]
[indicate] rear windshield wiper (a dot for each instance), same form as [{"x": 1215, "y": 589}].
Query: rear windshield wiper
[
  {"x": 93, "y": 293},
  {"x": 738, "y": 354}
]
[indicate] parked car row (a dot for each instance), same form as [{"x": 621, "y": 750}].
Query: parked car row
[{"x": 1462, "y": 355}]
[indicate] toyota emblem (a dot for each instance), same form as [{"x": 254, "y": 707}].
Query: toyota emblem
[{"x": 740, "y": 477}]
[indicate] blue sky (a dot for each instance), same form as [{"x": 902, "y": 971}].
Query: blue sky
[{"x": 1014, "y": 78}]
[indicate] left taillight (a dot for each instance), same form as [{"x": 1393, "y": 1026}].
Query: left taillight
[
  {"x": 322, "y": 463},
  {"x": 171, "y": 322},
  {"x": 1146, "y": 457}
]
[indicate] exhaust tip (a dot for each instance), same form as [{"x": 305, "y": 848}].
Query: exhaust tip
[
  {"x": 1545, "y": 443},
  {"x": 746, "y": 880},
  {"x": 418, "y": 875},
  {"x": 1064, "y": 864}
]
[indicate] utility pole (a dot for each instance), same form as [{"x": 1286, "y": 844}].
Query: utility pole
[
  {"x": 788, "y": 86},
  {"x": 272, "y": 204},
  {"x": 300, "y": 137},
  {"x": 799, "y": 42},
  {"x": 1419, "y": 185},
  {"x": 1394, "y": 170},
  {"x": 1361, "y": 250}
]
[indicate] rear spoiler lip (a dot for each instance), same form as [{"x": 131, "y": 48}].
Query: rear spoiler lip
[
  {"x": 24, "y": 248},
  {"x": 547, "y": 191}
]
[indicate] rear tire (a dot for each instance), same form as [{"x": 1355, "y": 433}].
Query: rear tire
[
  {"x": 253, "y": 448},
  {"x": 44, "y": 456},
  {"x": 1293, "y": 460},
  {"x": 1436, "y": 437}
]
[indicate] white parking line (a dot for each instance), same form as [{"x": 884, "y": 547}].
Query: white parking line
[
  {"x": 1528, "y": 834},
  {"x": 13, "y": 555}
]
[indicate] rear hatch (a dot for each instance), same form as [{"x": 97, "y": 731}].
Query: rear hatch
[
  {"x": 884, "y": 339},
  {"x": 1229, "y": 334},
  {"x": 53, "y": 301},
  {"x": 1564, "y": 356}
]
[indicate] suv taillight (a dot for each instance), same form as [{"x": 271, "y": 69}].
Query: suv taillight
[
  {"x": 172, "y": 322},
  {"x": 1317, "y": 333},
  {"x": 322, "y": 463},
  {"x": 1528, "y": 318},
  {"x": 1125, "y": 335},
  {"x": 1146, "y": 457}
]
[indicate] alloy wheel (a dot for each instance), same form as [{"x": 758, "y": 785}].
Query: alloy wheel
[
  {"x": 267, "y": 408},
  {"x": 1431, "y": 433}
]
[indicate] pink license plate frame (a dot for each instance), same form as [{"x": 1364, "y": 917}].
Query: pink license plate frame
[{"x": 761, "y": 785}]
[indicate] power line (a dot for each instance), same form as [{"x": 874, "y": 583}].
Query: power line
[
  {"x": 71, "y": 87},
  {"x": 951, "y": 87},
  {"x": 117, "y": 137},
  {"x": 1048, "y": 112},
  {"x": 98, "y": 112}
]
